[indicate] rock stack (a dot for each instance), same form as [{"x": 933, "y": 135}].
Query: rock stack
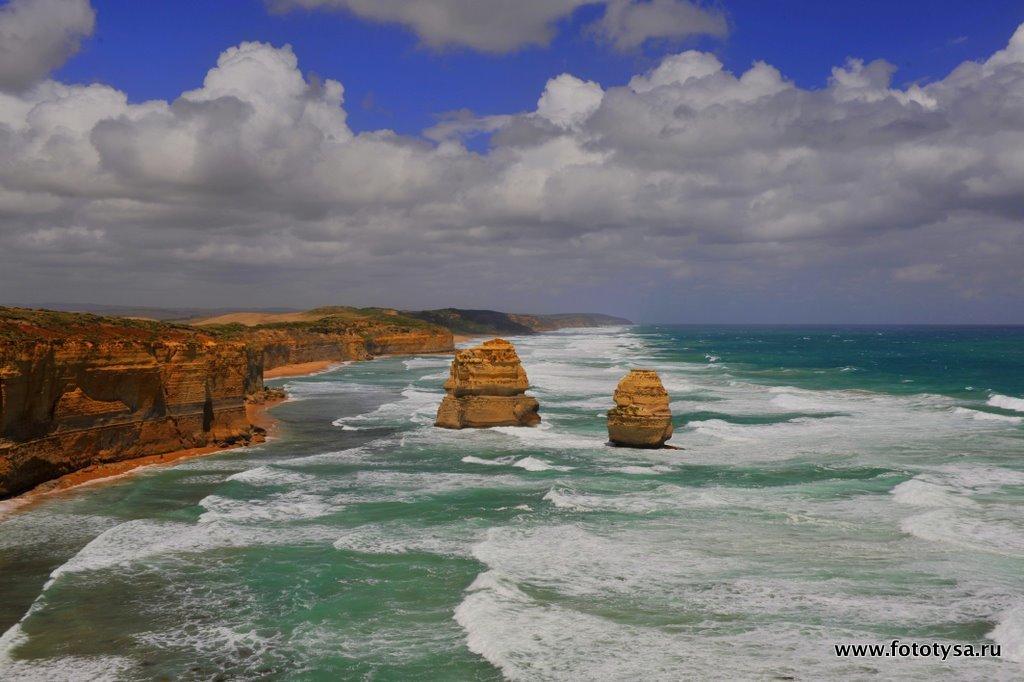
[
  {"x": 641, "y": 417},
  {"x": 487, "y": 387}
]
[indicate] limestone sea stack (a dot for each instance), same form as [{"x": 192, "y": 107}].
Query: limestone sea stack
[
  {"x": 641, "y": 417},
  {"x": 486, "y": 388}
]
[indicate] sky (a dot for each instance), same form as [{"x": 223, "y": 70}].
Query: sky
[{"x": 666, "y": 160}]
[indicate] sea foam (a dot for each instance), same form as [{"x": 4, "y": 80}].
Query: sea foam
[
  {"x": 1006, "y": 402},
  {"x": 1009, "y": 634}
]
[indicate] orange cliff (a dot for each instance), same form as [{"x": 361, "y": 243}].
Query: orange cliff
[
  {"x": 75, "y": 392},
  {"x": 334, "y": 334},
  {"x": 82, "y": 390},
  {"x": 294, "y": 346}
]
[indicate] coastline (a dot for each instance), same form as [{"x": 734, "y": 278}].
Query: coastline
[{"x": 258, "y": 414}]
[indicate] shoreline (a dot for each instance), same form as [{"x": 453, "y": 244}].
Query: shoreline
[
  {"x": 257, "y": 414},
  {"x": 301, "y": 369}
]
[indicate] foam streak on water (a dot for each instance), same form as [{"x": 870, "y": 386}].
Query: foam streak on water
[{"x": 834, "y": 486}]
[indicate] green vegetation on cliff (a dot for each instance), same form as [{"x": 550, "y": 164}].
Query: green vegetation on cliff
[
  {"x": 478, "y": 322},
  {"x": 25, "y": 324}
]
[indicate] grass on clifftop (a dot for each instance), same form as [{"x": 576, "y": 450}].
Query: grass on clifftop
[
  {"x": 24, "y": 324},
  {"x": 328, "y": 320}
]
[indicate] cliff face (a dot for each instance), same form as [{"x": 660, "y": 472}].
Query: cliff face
[
  {"x": 291, "y": 347},
  {"x": 335, "y": 334},
  {"x": 295, "y": 346},
  {"x": 393, "y": 340},
  {"x": 78, "y": 390},
  {"x": 487, "y": 387},
  {"x": 66, "y": 405},
  {"x": 641, "y": 417}
]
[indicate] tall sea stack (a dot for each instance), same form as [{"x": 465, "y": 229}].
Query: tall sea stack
[
  {"x": 486, "y": 388},
  {"x": 641, "y": 417}
]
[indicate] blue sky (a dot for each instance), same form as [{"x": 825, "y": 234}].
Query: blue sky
[
  {"x": 159, "y": 49},
  {"x": 665, "y": 160}
]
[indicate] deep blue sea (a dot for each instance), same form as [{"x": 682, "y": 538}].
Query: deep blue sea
[{"x": 836, "y": 485}]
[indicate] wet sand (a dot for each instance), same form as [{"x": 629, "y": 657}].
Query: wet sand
[{"x": 300, "y": 369}]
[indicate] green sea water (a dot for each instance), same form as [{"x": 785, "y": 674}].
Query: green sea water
[{"x": 837, "y": 485}]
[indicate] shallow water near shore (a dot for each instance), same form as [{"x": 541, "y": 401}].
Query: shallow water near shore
[{"x": 838, "y": 485}]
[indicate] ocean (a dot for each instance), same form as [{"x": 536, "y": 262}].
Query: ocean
[{"x": 837, "y": 485}]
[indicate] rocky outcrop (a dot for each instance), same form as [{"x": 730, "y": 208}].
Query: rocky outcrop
[
  {"x": 487, "y": 387},
  {"x": 641, "y": 417}
]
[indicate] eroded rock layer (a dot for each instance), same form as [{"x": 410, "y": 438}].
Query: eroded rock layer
[
  {"x": 68, "y": 405},
  {"x": 78, "y": 390},
  {"x": 487, "y": 387},
  {"x": 343, "y": 343},
  {"x": 641, "y": 417}
]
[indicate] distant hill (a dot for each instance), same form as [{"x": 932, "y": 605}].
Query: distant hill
[
  {"x": 510, "y": 324},
  {"x": 546, "y": 323}
]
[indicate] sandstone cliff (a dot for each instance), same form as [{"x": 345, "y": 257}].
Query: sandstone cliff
[
  {"x": 641, "y": 417},
  {"x": 334, "y": 334},
  {"x": 487, "y": 387},
  {"x": 78, "y": 390}
]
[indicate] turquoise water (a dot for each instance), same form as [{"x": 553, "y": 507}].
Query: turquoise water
[{"x": 838, "y": 485}]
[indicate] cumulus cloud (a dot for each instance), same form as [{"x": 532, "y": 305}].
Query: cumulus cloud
[
  {"x": 568, "y": 101},
  {"x": 505, "y": 25},
  {"x": 688, "y": 193},
  {"x": 627, "y": 24},
  {"x": 37, "y": 36}
]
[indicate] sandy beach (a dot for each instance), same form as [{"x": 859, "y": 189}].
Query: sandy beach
[{"x": 300, "y": 369}]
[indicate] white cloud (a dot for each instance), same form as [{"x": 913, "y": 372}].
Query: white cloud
[
  {"x": 37, "y": 36},
  {"x": 764, "y": 196},
  {"x": 1013, "y": 54},
  {"x": 568, "y": 101},
  {"x": 629, "y": 23},
  {"x": 501, "y": 26}
]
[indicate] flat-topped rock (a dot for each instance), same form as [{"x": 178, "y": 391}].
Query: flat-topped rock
[
  {"x": 641, "y": 417},
  {"x": 487, "y": 387}
]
